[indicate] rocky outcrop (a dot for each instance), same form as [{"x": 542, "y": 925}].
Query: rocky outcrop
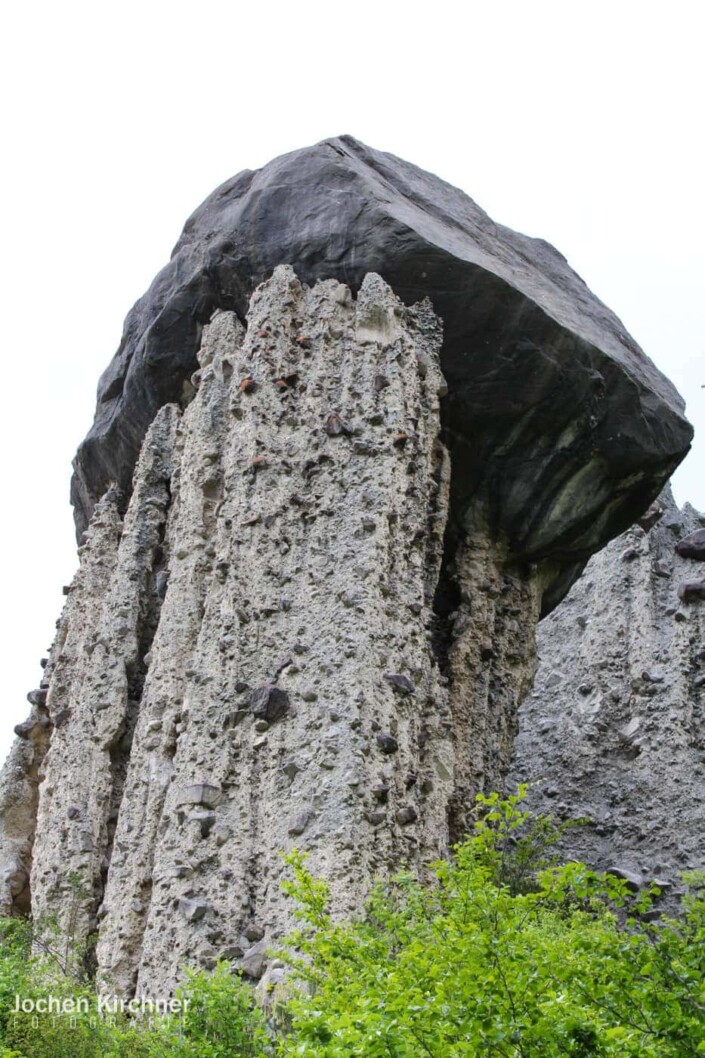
[
  {"x": 559, "y": 427},
  {"x": 323, "y": 526},
  {"x": 264, "y": 654},
  {"x": 615, "y": 724}
]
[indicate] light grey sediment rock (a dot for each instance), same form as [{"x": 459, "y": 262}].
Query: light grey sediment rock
[{"x": 615, "y": 722}]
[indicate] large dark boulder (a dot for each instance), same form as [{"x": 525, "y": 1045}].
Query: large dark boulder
[{"x": 561, "y": 430}]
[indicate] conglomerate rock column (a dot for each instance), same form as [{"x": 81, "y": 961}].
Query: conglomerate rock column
[
  {"x": 253, "y": 661},
  {"x": 307, "y": 522},
  {"x": 95, "y": 678},
  {"x": 490, "y": 666}
]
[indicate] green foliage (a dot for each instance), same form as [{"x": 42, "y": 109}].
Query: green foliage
[
  {"x": 59, "y": 941},
  {"x": 220, "y": 1020},
  {"x": 15, "y": 943},
  {"x": 503, "y": 955},
  {"x": 492, "y": 960},
  {"x": 83, "y": 1034}
]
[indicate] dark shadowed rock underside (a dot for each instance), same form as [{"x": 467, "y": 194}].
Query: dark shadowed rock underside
[{"x": 560, "y": 429}]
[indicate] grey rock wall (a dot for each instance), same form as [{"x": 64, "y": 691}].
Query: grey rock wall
[{"x": 615, "y": 723}]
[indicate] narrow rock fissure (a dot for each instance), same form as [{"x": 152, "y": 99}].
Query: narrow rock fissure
[{"x": 446, "y": 600}]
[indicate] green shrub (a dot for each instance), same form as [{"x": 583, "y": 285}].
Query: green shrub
[
  {"x": 483, "y": 962},
  {"x": 221, "y": 1019},
  {"x": 15, "y": 944}
]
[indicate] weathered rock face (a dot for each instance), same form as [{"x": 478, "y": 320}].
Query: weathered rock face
[
  {"x": 560, "y": 430},
  {"x": 253, "y": 660},
  {"x": 615, "y": 724}
]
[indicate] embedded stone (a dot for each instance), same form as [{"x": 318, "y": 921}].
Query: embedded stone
[
  {"x": 387, "y": 743},
  {"x": 400, "y": 682},
  {"x": 693, "y": 545},
  {"x": 375, "y": 817},
  {"x": 202, "y": 794},
  {"x": 193, "y": 910},
  {"x": 269, "y": 703},
  {"x": 254, "y": 960},
  {"x": 253, "y": 932},
  {"x": 691, "y": 590},
  {"x": 299, "y": 823},
  {"x": 651, "y": 516},
  {"x": 30, "y": 728},
  {"x": 335, "y": 426}
]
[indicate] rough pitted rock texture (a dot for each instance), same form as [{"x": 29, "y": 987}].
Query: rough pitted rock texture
[
  {"x": 19, "y": 795},
  {"x": 561, "y": 431},
  {"x": 258, "y": 658},
  {"x": 615, "y": 724}
]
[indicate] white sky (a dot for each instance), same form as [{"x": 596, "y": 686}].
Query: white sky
[{"x": 578, "y": 122}]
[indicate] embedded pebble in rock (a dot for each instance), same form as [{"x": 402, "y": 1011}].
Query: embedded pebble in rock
[
  {"x": 402, "y": 683},
  {"x": 693, "y": 545},
  {"x": 269, "y": 703},
  {"x": 692, "y": 590},
  {"x": 253, "y": 932},
  {"x": 387, "y": 743},
  {"x": 192, "y": 910},
  {"x": 299, "y": 824},
  {"x": 620, "y": 737},
  {"x": 254, "y": 961}
]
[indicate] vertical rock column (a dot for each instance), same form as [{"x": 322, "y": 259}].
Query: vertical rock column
[
  {"x": 94, "y": 686},
  {"x": 19, "y": 795},
  {"x": 310, "y": 710},
  {"x": 52, "y": 711},
  {"x": 490, "y": 665}
]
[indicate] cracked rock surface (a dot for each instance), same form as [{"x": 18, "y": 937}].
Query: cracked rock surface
[{"x": 615, "y": 723}]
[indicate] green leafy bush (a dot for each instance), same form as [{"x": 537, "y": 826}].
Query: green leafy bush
[
  {"x": 487, "y": 962},
  {"x": 221, "y": 1019}
]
